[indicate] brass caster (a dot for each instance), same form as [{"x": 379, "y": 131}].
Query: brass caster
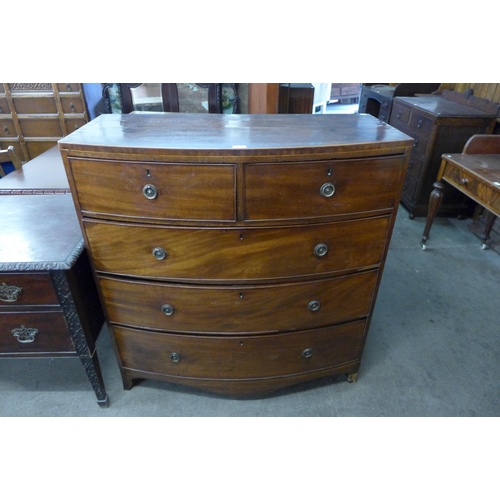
[
  {"x": 484, "y": 246},
  {"x": 352, "y": 378}
]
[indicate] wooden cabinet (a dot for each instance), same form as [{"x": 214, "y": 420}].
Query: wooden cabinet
[
  {"x": 237, "y": 254},
  {"x": 34, "y": 116},
  {"x": 49, "y": 305},
  {"x": 438, "y": 125}
]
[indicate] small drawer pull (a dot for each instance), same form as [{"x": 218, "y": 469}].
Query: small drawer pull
[
  {"x": 314, "y": 305},
  {"x": 307, "y": 353},
  {"x": 464, "y": 182},
  {"x": 9, "y": 293},
  {"x": 68, "y": 87},
  {"x": 167, "y": 309},
  {"x": 175, "y": 357},
  {"x": 327, "y": 190},
  {"x": 5, "y": 129},
  {"x": 24, "y": 334},
  {"x": 415, "y": 142},
  {"x": 159, "y": 253},
  {"x": 399, "y": 114},
  {"x": 321, "y": 249},
  {"x": 150, "y": 192},
  {"x": 1, "y": 109},
  {"x": 72, "y": 107}
]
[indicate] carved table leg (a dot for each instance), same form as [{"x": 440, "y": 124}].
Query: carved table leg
[
  {"x": 490, "y": 219},
  {"x": 435, "y": 200}
]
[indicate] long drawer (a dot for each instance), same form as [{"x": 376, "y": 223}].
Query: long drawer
[
  {"x": 239, "y": 357},
  {"x": 236, "y": 254},
  {"x": 156, "y": 190},
  {"x": 321, "y": 188},
  {"x": 244, "y": 309},
  {"x": 26, "y": 332}
]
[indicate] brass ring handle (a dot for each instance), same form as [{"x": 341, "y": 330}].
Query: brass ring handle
[
  {"x": 175, "y": 357},
  {"x": 159, "y": 253},
  {"x": 321, "y": 249},
  {"x": 327, "y": 190},
  {"x": 314, "y": 305},
  {"x": 167, "y": 309},
  {"x": 150, "y": 191}
]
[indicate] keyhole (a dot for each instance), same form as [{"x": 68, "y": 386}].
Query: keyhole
[
  {"x": 148, "y": 173},
  {"x": 241, "y": 237},
  {"x": 329, "y": 171},
  {"x": 241, "y": 295}
]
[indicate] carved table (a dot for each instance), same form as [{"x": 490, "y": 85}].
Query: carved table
[{"x": 49, "y": 306}]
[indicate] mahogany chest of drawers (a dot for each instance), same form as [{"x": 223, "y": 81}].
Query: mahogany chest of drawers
[
  {"x": 438, "y": 125},
  {"x": 237, "y": 253},
  {"x": 49, "y": 304}
]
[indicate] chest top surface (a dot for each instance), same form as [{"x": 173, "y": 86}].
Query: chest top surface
[
  {"x": 234, "y": 135},
  {"x": 39, "y": 232}
]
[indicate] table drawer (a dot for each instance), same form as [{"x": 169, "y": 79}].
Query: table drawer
[
  {"x": 27, "y": 289},
  {"x": 177, "y": 192},
  {"x": 400, "y": 114},
  {"x": 239, "y": 357},
  {"x": 37, "y": 333},
  {"x": 236, "y": 253},
  {"x": 304, "y": 190},
  {"x": 468, "y": 183},
  {"x": 243, "y": 309}
]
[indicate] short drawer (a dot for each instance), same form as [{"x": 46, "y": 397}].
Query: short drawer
[
  {"x": 415, "y": 165},
  {"x": 467, "y": 183},
  {"x": 68, "y": 87},
  {"x": 234, "y": 309},
  {"x": 4, "y": 106},
  {"x": 7, "y": 128},
  {"x": 72, "y": 104},
  {"x": 410, "y": 188},
  {"x": 236, "y": 253},
  {"x": 156, "y": 190},
  {"x": 27, "y": 289},
  {"x": 420, "y": 123},
  {"x": 321, "y": 189},
  {"x": 73, "y": 124},
  {"x": 34, "y": 332},
  {"x": 239, "y": 357},
  {"x": 35, "y": 105},
  {"x": 41, "y": 127},
  {"x": 400, "y": 114}
]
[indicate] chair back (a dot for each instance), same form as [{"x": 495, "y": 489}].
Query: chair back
[
  {"x": 9, "y": 161},
  {"x": 483, "y": 144}
]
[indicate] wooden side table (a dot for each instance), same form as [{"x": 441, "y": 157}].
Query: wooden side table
[{"x": 49, "y": 305}]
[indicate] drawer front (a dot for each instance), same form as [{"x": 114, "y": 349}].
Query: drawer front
[
  {"x": 468, "y": 184},
  {"x": 72, "y": 104},
  {"x": 236, "y": 253},
  {"x": 73, "y": 124},
  {"x": 400, "y": 114},
  {"x": 47, "y": 127},
  {"x": 304, "y": 190},
  {"x": 410, "y": 188},
  {"x": 298, "y": 306},
  {"x": 35, "y": 105},
  {"x": 68, "y": 87},
  {"x": 415, "y": 165},
  {"x": 155, "y": 190},
  {"x": 4, "y": 106},
  {"x": 419, "y": 144},
  {"x": 421, "y": 124},
  {"x": 36, "y": 333},
  {"x": 7, "y": 128},
  {"x": 26, "y": 289},
  {"x": 239, "y": 357}
]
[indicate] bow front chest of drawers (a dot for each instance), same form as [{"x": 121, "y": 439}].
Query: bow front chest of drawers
[{"x": 237, "y": 254}]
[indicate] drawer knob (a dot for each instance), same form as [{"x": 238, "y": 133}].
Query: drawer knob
[
  {"x": 314, "y": 305},
  {"x": 321, "y": 250},
  {"x": 327, "y": 190},
  {"x": 24, "y": 334},
  {"x": 464, "y": 182},
  {"x": 419, "y": 124},
  {"x": 307, "y": 353},
  {"x": 159, "y": 253},
  {"x": 150, "y": 192},
  {"x": 175, "y": 357},
  {"x": 72, "y": 107},
  {"x": 399, "y": 114},
  {"x": 1, "y": 109},
  {"x": 415, "y": 142},
  {"x": 68, "y": 87},
  {"x": 9, "y": 293},
  {"x": 167, "y": 309},
  {"x": 5, "y": 129}
]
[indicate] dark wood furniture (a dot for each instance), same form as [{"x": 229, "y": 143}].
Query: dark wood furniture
[
  {"x": 49, "y": 306},
  {"x": 345, "y": 92},
  {"x": 296, "y": 98},
  {"x": 439, "y": 125},
  {"x": 44, "y": 174},
  {"x": 238, "y": 254},
  {"x": 376, "y": 100},
  {"x": 476, "y": 174},
  {"x": 34, "y": 116}
]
